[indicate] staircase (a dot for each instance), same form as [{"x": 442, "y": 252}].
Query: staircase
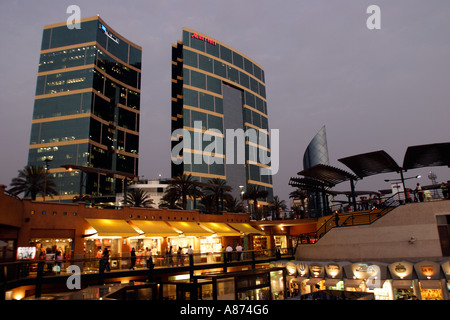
[{"x": 351, "y": 219}]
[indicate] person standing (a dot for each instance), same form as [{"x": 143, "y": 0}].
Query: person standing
[
  {"x": 170, "y": 257},
  {"x": 133, "y": 258},
  {"x": 229, "y": 251},
  {"x": 444, "y": 190},
  {"x": 105, "y": 260},
  {"x": 191, "y": 256},
  {"x": 239, "y": 251},
  {"x": 419, "y": 192},
  {"x": 148, "y": 257},
  {"x": 180, "y": 257}
]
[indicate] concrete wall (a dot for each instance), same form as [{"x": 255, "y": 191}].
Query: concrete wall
[{"x": 386, "y": 239}]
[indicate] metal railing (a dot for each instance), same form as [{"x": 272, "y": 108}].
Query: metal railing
[
  {"x": 35, "y": 272},
  {"x": 351, "y": 219}
]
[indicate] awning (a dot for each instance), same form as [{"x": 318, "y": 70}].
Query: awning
[
  {"x": 331, "y": 282},
  {"x": 190, "y": 229},
  {"x": 430, "y": 284},
  {"x": 155, "y": 228},
  {"x": 112, "y": 228},
  {"x": 352, "y": 283},
  {"x": 245, "y": 228},
  {"x": 220, "y": 229},
  {"x": 313, "y": 281}
]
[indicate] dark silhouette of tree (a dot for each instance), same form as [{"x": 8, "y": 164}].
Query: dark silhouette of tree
[
  {"x": 215, "y": 193},
  {"x": 138, "y": 198},
  {"x": 233, "y": 204},
  {"x": 180, "y": 187},
  {"x": 32, "y": 181},
  {"x": 254, "y": 193}
]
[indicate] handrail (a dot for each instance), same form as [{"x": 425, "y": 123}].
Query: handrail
[
  {"x": 377, "y": 212},
  {"x": 33, "y": 270}
]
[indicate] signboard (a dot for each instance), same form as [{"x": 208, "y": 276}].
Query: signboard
[
  {"x": 26, "y": 253},
  {"x": 399, "y": 190}
]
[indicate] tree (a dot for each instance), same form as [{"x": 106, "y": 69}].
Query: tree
[
  {"x": 32, "y": 181},
  {"x": 138, "y": 198},
  {"x": 232, "y": 204},
  {"x": 170, "y": 200},
  {"x": 278, "y": 205},
  {"x": 254, "y": 193},
  {"x": 180, "y": 187},
  {"x": 301, "y": 195},
  {"x": 215, "y": 193}
]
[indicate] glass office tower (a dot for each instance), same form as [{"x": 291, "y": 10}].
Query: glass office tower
[
  {"x": 217, "y": 91},
  {"x": 316, "y": 153},
  {"x": 86, "y": 110}
]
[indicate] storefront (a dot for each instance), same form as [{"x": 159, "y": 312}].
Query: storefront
[
  {"x": 258, "y": 284},
  {"x": 368, "y": 277},
  {"x": 334, "y": 273},
  {"x": 403, "y": 282},
  {"x": 108, "y": 234},
  {"x": 430, "y": 285}
]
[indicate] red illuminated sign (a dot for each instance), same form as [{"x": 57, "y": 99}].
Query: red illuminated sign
[{"x": 197, "y": 36}]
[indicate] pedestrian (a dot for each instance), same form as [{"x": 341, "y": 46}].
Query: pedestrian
[
  {"x": 444, "y": 190},
  {"x": 229, "y": 251},
  {"x": 239, "y": 251},
  {"x": 180, "y": 257},
  {"x": 170, "y": 263},
  {"x": 336, "y": 218},
  {"x": 149, "y": 258},
  {"x": 419, "y": 192},
  {"x": 133, "y": 258},
  {"x": 105, "y": 259},
  {"x": 191, "y": 256},
  {"x": 448, "y": 189}
]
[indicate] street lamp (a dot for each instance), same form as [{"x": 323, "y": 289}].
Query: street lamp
[
  {"x": 241, "y": 188},
  {"x": 47, "y": 160},
  {"x": 397, "y": 180}
]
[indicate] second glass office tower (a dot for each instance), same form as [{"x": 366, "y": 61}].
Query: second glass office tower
[
  {"x": 86, "y": 111},
  {"x": 215, "y": 88}
]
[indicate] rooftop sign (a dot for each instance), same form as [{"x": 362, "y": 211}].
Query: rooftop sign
[{"x": 200, "y": 37}]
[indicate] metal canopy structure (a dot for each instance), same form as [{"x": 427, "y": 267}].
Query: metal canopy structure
[
  {"x": 430, "y": 155},
  {"x": 309, "y": 184},
  {"x": 321, "y": 176},
  {"x": 368, "y": 164},
  {"x": 328, "y": 174}
]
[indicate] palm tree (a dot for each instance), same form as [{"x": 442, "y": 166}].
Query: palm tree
[
  {"x": 254, "y": 193},
  {"x": 301, "y": 195},
  {"x": 216, "y": 192},
  {"x": 32, "y": 181},
  {"x": 170, "y": 200},
  {"x": 233, "y": 204},
  {"x": 182, "y": 186},
  {"x": 138, "y": 198},
  {"x": 278, "y": 205}
]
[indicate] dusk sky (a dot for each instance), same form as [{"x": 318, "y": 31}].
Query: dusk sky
[{"x": 383, "y": 89}]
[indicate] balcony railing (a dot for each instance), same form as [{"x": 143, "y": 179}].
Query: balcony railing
[{"x": 13, "y": 274}]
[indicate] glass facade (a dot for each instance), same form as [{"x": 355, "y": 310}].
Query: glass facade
[
  {"x": 217, "y": 88},
  {"x": 87, "y": 107},
  {"x": 316, "y": 153}
]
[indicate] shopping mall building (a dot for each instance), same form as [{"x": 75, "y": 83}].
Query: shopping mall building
[{"x": 402, "y": 255}]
